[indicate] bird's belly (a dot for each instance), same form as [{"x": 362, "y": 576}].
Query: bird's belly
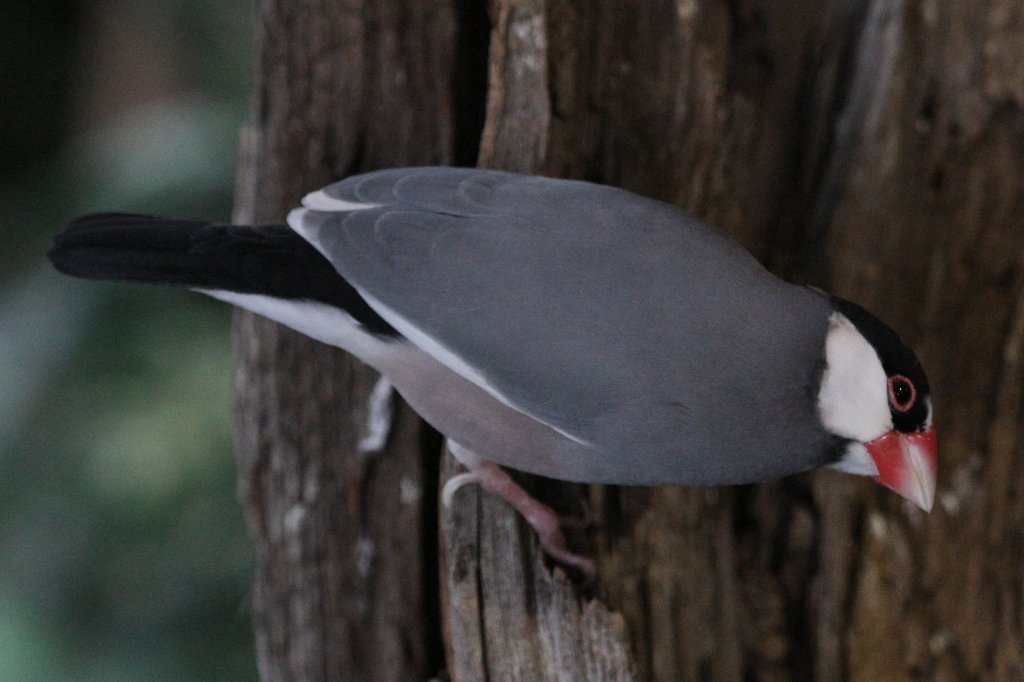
[
  {"x": 455, "y": 406},
  {"x": 472, "y": 417}
]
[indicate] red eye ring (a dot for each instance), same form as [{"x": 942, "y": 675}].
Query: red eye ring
[{"x": 900, "y": 384}]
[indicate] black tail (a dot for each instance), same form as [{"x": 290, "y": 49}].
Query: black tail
[{"x": 269, "y": 260}]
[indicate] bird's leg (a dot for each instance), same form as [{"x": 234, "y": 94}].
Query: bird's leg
[{"x": 544, "y": 520}]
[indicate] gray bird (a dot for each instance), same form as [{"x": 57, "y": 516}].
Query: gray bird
[{"x": 560, "y": 328}]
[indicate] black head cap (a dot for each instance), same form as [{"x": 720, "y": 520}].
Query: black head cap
[{"x": 909, "y": 394}]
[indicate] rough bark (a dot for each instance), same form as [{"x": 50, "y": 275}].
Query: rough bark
[
  {"x": 872, "y": 148},
  {"x": 345, "y": 583}
]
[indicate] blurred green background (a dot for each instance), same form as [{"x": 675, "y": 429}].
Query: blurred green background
[{"x": 123, "y": 552}]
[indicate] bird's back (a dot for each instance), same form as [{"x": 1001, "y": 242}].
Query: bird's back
[{"x": 630, "y": 327}]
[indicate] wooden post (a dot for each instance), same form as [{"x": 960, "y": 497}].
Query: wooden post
[
  {"x": 872, "y": 148},
  {"x": 345, "y": 585}
]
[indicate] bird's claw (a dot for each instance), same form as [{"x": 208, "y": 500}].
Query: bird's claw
[
  {"x": 543, "y": 519},
  {"x": 454, "y": 484}
]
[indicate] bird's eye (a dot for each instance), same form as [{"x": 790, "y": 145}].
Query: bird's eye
[{"x": 902, "y": 393}]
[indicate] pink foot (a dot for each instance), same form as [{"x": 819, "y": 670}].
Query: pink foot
[{"x": 547, "y": 524}]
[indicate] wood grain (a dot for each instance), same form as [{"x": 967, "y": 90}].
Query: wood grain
[
  {"x": 871, "y": 147},
  {"x": 345, "y": 586}
]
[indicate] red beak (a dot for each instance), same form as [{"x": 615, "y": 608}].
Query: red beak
[{"x": 907, "y": 464}]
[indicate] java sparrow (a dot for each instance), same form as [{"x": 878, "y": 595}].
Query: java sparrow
[{"x": 560, "y": 328}]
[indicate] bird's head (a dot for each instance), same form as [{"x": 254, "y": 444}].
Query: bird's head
[{"x": 874, "y": 396}]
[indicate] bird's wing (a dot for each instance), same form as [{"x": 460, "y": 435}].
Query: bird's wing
[{"x": 583, "y": 306}]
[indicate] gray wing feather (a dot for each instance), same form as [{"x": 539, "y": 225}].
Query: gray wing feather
[{"x": 621, "y": 321}]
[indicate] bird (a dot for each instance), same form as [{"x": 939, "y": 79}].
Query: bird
[{"x": 558, "y": 327}]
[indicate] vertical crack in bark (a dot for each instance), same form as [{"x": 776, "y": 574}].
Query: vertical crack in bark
[
  {"x": 857, "y": 530},
  {"x": 469, "y": 92},
  {"x": 828, "y": 98},
  {"x": 430, "y": 450},
  {"x": 481, "y": 613},
  {"x": 1003, "y": 411}
]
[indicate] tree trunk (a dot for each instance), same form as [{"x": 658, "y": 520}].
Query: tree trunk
[
  {"x": 872, "y": 148},
  {"x": 346, "y": 539}
]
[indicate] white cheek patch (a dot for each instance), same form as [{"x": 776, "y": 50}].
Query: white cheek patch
[
  {"x": 856, "y": 460},
  {"x": 853, "y": 401}
]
